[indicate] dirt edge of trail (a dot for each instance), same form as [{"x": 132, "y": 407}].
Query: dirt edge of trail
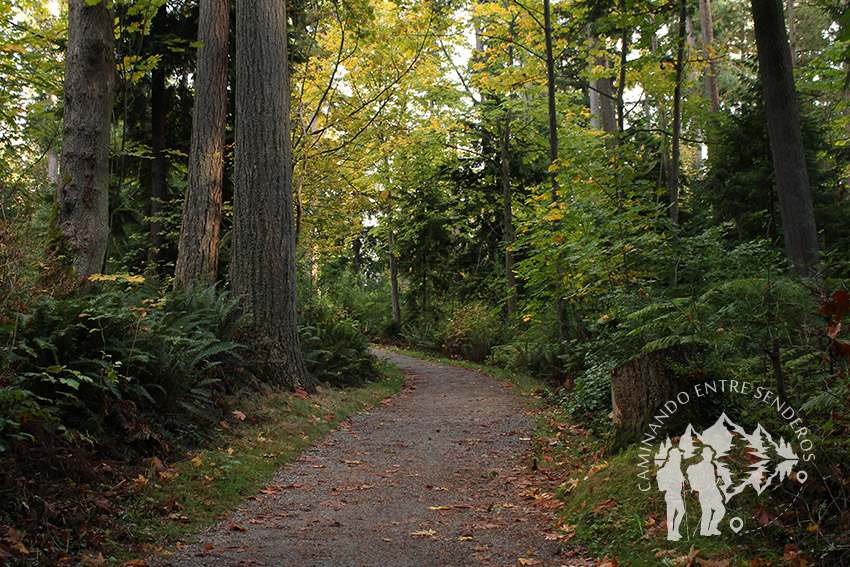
[{"x": 435, "y": 476}]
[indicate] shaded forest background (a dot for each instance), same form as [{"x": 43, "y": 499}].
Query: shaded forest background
[{"x": 552, "y": 189}]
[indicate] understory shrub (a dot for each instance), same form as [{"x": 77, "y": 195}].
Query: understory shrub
[
  {"x": 471, "y": 332},
  {"x": 539, "y": 359},
  {"x": 423, "y": 335},
  {"x": 144, "y": 360},
  {"x": 334, "y": 347}
]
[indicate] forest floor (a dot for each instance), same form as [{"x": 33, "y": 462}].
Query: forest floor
[{"x": 439, "y": 475}]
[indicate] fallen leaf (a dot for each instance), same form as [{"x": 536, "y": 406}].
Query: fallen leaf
[
  {"x": 134, "y": 563},
  {"x": 712, "y": 563},
  {"x": 239, "y": 415},
  {"x": 795, "y": 558},
  {"x": 237, "y": 528},
  {"x": 300, "y": 393},
  {"x": 96, "y": 561},
  {"x": 425, "y": 533},
  {"x": 139, "y": 482},
  {"x": 686, "y": 560},
  {"x": 524, "y": 561},
  {"x": 762, "y": 515}
]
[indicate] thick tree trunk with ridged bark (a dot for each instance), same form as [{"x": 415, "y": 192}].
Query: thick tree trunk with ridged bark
[
  {"x": 786, "y": 138},
  {"x": 83, "y": 192},
  {"x": 262, "y": 268},
  {"x": 197, "y": 256}
]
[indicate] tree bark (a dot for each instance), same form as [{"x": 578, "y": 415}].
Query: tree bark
[
  {"x": 159, "y": 168},
  {"x": 786, "y": 138},
  {"x": 83, "y": 193},
  {"x": 262, "y": 270},
  {"x": 707, "y": 29},
  {"x": 508, "y": 235},
  {"x": 396, "y": 307},
  {"x": 550, "y": 84},
  {"x": 621, "y": 83},
  {"x": 197, "y": 257},
  {"x": 673, "y": 170},
  {"x": 603, "y": 115},
  {"x": 792, "y": 32},
  {"x": 641, "y": 386}
]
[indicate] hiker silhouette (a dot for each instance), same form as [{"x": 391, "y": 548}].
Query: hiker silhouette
[
  {"x": 703, "y": 479},
  {"x": 671, "y": 482}
]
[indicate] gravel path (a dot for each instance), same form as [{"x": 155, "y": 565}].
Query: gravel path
[{"x": 434, "y": 477}]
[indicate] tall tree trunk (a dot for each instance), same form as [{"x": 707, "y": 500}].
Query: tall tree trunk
[
  {"x": 197, "y": 257},
  {"x": 396, "y": 306},
  {"x": 792, "y": 32},
  {"x": 601, "y": 95},
  {"x": 707, "y": 29},
  {"x": 159, "y": 168},
  {"x": 262, "y": 269},
  {"x": 550, "y": 84},
  {"x": 786, "y": 138},
  {"x": 508, "y": 235},
  {"x": 83, "y": 193},
  {"x": 553, "y": 154},
  {"x": 673, "y": 171},
  {"x": 621, "y": 83},
  {"x": 662, "y": 125}
]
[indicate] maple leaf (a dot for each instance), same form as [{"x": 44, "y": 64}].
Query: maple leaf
[
  {"x": 239, "y": 415},
  {"x": 301, "y": 393},
  {"x": 762, "y": 515}
]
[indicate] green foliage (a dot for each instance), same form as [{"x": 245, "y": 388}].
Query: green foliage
[
  {"x": 334, "y": 348},
  {"x": 471, "y": 332},
  {"x": 363, "y": 298},
  {"x": 537, "y": 356},
  {"x": 77, "y": 358},
  {"x": 423, "y": 335},
  {"x": 590, "y": 396}
]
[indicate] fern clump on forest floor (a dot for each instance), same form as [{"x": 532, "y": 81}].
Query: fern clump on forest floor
[{"x": 100, "y": 393}]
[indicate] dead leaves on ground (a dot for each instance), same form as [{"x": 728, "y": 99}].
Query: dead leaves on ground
[{"x": 692, "y": 559}]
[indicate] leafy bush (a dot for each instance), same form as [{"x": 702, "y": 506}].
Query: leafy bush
[
  {"x": 539, "y": 359},
  {"x": 334, "y": 348},
  {"x": 119, "y": 354},
  {"x": 590, "y": 395},
  {"x": 471, "y": 333},
  {"x": 422, "y": 334}
]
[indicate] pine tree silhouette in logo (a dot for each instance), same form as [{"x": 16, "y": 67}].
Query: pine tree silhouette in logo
[{"x": 701, "y": 461}]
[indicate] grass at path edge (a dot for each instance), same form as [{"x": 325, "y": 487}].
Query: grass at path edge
[{"x": 168, "y": 503}]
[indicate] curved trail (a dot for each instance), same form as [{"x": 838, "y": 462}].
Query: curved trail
[{"x": 434, "y": 477}]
